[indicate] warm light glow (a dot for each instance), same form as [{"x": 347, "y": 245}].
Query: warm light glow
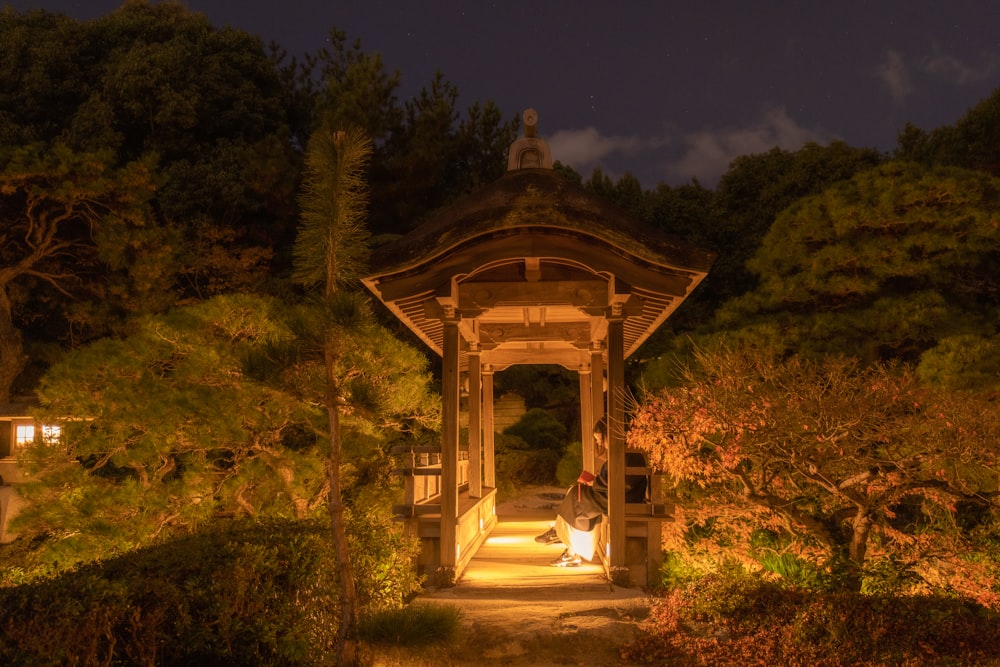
[
  {"x": 505, "y": 539},
  {"x": 481, "y": 524},
  {"x": 51, "y": 433},
  {"x": 24, "y": 434}
]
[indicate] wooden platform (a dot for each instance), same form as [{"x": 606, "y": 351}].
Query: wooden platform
[
  {"x": 510, "y": 584},
  {"x": 511, "y": 559}
]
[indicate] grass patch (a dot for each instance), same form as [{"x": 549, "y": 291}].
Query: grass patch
[{"x": 413, "y": 625}]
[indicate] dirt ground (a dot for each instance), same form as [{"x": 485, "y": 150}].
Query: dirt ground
[{"x": 518, "y": 610}]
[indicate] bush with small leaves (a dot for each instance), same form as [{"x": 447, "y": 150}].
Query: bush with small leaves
[
  {"x": 739, "y": 620},
  {"x": 241, "y": 592}
]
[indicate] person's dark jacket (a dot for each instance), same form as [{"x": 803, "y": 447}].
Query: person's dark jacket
[{"x": 584, "y": 504}]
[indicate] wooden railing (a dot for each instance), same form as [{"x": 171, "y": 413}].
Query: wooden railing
[
  {"x": 654, "y": 507},
  {"x": 420, "y": 467},
  {"x": 642, "y": 522}
]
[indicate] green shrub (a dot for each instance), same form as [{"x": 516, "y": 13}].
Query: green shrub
[
  {"x": 521, "y": 467},
  {"x": 794, "y": 571},
  {"x": 736, "y": 597},
  {"x": 540, "y": 430},
  {"x": 242, "y": 592},
  {"x": 251, "y": 593},
  {"x": 412, "y": 625},
  {"x": 383, "y": 559},
  {"x": 768, "y": 548},
  {"x": 677, "y": 571},
  {"x": 569, "y": 466}
]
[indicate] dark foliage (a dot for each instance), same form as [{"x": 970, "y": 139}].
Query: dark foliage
[
  {"x": 244, "y": 593},
  {"x": 738, "y": 620}
]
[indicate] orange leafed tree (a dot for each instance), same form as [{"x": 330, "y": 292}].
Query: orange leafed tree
[{"x": 853, "y": 468}]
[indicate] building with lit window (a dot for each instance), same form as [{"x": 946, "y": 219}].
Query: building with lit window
[{"x": 18, "y": 429}]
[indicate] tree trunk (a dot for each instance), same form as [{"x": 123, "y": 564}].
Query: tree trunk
[
  {"x": 861, "y": 526},
  {"x": 12, "y": 357},
  {"x": 347, "y": 649}
]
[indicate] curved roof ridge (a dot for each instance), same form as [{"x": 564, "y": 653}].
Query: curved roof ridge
[{"x": 535, "y": 198}]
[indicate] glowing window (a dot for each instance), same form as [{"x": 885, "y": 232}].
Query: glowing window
[
  {"x": 24, "y": 433},
  {"x": 51, "y": 433}
]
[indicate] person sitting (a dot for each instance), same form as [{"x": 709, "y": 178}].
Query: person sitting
[{"x": 585, "y": 504}]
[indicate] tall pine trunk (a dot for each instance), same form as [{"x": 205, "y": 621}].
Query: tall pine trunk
[
  {"x": 330, "y": 250},
  {"x": 347, "y": 648}
]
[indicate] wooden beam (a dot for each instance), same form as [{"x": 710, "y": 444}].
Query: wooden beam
[
  {"x": 598, "y": 404},
  {"x": 502, "y": 358},
  {"x": 575, "y": 333},
  {"x": 449, "y": 444},
  {"x": 616, "y": 438},
  {"x": 586, "y": 418},
  {"x": 475, "y": 425},
  {"x": 489, "y": 428},
  {"x": 577, "y": 293}
]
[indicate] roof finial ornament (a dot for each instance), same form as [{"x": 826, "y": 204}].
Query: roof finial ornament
[
  {"x": 530, "y": 122},
  {"x": 529, "y": 151}
]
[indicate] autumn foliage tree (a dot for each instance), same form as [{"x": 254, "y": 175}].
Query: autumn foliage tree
[{"x": 859, "y": 471}]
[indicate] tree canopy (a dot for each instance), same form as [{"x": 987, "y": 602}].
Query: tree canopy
[
  {"x": 220, "y": 122},
  {"x": 886, "y": 265},
  {"x": 66, "y": 215},
  {"x": 203, "y": 411},
  {"x": 973, "y": 142}
]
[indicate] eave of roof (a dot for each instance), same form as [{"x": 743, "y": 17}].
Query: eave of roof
[{"x": 535, "y": 215}]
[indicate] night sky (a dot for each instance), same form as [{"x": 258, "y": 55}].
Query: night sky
[{"x": 668, "y": 90}]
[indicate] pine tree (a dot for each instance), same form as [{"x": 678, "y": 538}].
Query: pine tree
[{"x": 330, "y": 253}]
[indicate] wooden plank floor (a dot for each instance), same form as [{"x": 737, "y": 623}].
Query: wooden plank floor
[
  {"x": 510, "y": 562},
  {"x": 510, "y": 558},
  {"x": 510, "y": 583}
]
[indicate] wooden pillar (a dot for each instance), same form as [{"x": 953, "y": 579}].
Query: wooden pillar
[
  {"x": 616, "y": 436},
  {"x": 598, "y": 404},
  {"x": 587, "y": 418},
  {"x": 449, "y": 443},
  {"x": 489, "y": 461},
  {"x": 475, "y": 425}
]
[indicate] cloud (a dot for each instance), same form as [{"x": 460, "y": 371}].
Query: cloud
[
  {"x": 585, "y": 148},
  {"x": 897, "y": 73},
  {"x": 955, "y": 71},
  {"x": 708, "y": 152},
  {"x": 679, "y": 156},
  {"x": 895, "y": 76}
]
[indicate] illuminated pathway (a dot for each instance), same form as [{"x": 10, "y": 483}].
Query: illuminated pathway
[{"x": 510, "y": 564}]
